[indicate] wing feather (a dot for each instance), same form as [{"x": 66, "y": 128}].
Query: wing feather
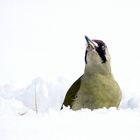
[{"x": 71, "y": 93}]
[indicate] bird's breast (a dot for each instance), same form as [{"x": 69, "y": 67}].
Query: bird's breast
[{"x": 98, "y": 91}]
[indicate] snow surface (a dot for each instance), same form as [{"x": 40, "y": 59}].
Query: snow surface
[
  {"x": 42, "y": 50},
  {"x": 85, "y": 124},
  {"x": 20, "y": 119}
]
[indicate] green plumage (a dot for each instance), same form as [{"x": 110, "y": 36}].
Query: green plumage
[
  {"x": 96, "y": 88},
  {"x": 95, "y": 92},
  {"x": 71, "y": 94}
]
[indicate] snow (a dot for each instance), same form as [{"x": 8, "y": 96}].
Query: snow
[
  {"x": 66, "y": 124},
  {"x": 42, "y": 50},
  {"x": 20, "y": 119}
]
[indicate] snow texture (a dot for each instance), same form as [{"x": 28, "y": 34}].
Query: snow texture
[{"x": 20, "y": 119}]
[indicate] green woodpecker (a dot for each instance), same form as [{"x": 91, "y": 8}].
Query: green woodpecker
[{"x": 96, "y": 88}]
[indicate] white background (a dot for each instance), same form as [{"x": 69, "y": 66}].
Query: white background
[{"x": 45, "y": 38}]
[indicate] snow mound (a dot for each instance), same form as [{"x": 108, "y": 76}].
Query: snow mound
[
  {"x": 35, "y": 96},
  {"x": 34, "y": 113},
  {"x": 41, "y": 96},
  {"x": 12, "y": 106}
]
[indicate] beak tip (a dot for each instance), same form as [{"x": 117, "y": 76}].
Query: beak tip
[{"x": 87, "y": 39}]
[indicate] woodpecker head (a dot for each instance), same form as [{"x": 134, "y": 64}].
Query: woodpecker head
[{"x": 96, "y": 52}]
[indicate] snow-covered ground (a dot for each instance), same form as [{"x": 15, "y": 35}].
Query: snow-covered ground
[
  {"x": 42, "y": 53},
  {"x": 34, "y": 113},
  {"x": 99, "y": 124}
]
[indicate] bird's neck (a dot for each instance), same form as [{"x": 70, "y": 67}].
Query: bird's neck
[{"x": 103, "y": 69}]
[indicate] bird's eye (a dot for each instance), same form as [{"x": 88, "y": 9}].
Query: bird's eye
[{"x": 103, "y": 47}]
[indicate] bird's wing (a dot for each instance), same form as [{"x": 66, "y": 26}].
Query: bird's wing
[{"x": 71, "y": 93}]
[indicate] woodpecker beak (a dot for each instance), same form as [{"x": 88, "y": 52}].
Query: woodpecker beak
[{"x": 90, "y": 42}]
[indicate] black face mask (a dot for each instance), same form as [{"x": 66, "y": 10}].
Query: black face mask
[
  {"x": 101, "y": 51},
  {"x": 101, "y": 46}
]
